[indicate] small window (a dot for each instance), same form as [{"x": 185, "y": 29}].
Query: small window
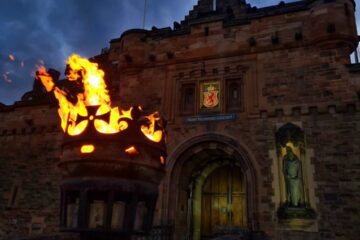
[
  {"x": 14, "y": 195},
  {"x": 234, "y": 95},
  {"x": 122, "y": 45},
  {"x": 71, "y": 209},
  {"x": 118, "y": 215},
  {"x": 206, "y": 31},
  {"x": 140, "y": 216},
  {"x": 37, "y": 225},
  {"x": 188, "y": 99},
  {"x": 346, "y": 8},
  {"x": 97, "y": 209}
]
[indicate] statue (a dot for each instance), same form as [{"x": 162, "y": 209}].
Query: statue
[{"x": 293, "y": 178}]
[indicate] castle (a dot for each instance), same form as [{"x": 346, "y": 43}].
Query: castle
[{"x": 263, "y": 126}]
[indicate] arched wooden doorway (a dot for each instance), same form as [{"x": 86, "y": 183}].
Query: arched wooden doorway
[
  {"x": 190, "y": 166},
  {"x": 223, "y": 202}
]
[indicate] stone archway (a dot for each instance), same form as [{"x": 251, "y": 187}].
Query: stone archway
[{"x": 191, "y": 163}]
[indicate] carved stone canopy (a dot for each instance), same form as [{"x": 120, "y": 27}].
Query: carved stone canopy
[{"x": 289, "y": 133}]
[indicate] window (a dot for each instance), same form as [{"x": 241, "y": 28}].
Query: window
[
  {"x": 72, "y": 209},
  {"x": 206, "y": 31},
  {"x": 234, "y": 95},
  {"x": 188, "y": 99},
  {"x": 97, "y": 209},
  {"x": 346, "y": 8},
  {"x": 14, "y": 195},
  {"x": 214, "y": 5},
  {"x": 37, "y": 225}
]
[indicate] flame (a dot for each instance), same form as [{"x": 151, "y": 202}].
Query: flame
[
  {"x": 131, "y": 150},
  {"x": 149, "y": 131},
  {"x": 89, "y": 148},
  {"x": 11, "y": 57},
  {"x": 162, "y": 160},
  {"x": 106, "y": 119},
  {"x": 95, "y": 94}
]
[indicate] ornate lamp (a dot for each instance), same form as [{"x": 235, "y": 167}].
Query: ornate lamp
[{"x": 112, "y": 160}]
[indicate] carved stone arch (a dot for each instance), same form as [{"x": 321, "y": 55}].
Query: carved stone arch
[
  {"x": 191, "y": 156},
  {"x": 290, "y": 132}
]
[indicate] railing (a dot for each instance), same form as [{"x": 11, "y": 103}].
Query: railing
[{"x": 164, "y": 232}]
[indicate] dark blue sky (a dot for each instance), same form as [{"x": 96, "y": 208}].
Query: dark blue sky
[{"x": 50, "y": 30}]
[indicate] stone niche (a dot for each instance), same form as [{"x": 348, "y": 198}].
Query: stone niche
[{"x": 293, "y": 182}]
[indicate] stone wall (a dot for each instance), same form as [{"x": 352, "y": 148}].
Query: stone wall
[
  {"x": 30, "y": 143},
  {"x": 292, "y": 60},
  {"x": 334, "y": 140}
]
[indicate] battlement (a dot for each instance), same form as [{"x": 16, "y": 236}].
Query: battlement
[{"x": 239, "y": 30}]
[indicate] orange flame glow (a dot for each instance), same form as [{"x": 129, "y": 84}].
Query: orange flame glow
[
  {"x": 87, "y": 148},
  {"x": 95, "y": 94},
  {"x": 11, "y": 57},
  {"x": 107, "y": 119},
  {"x": 149, "y": 131},
  {"x": 162, "y": 160},
  {"x": 131, "y": 150}
]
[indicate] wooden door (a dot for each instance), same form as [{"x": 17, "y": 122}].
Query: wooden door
[{"x": 223, "y": 206}]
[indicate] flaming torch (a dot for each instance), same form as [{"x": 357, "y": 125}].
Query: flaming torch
[{"x": 112, "y": 159}]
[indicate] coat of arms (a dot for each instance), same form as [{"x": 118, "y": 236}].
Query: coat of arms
[{"x": 210, "y": 95}]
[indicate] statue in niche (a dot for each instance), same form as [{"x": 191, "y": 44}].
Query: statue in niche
[
  {"x": 290, "y": 141},
  {"x": 293, "y": 178}
]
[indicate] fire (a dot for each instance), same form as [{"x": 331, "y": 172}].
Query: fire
[
  {"x": 93, "y": 104},
  {"x": 149, "y": 131},
  {"x": 95, "y": 92},
  {"x": 131, "y": 150},
  {"x": 11, "y": 57},
  {"x": 75, "y": 117},
  {"x": 89, "y": 148},
  {"x": 162, "y": 160}
]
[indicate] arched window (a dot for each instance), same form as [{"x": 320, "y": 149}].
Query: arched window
[{"x": 234, "y": 95}]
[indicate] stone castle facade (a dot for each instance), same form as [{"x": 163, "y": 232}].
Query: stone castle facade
[{"x": 239, "y": 86}]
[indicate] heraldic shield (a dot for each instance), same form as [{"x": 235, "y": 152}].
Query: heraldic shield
[{"x": 210, "y": 98}]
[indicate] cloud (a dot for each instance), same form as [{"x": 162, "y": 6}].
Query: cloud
[{"x": 51, "y": 30}]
